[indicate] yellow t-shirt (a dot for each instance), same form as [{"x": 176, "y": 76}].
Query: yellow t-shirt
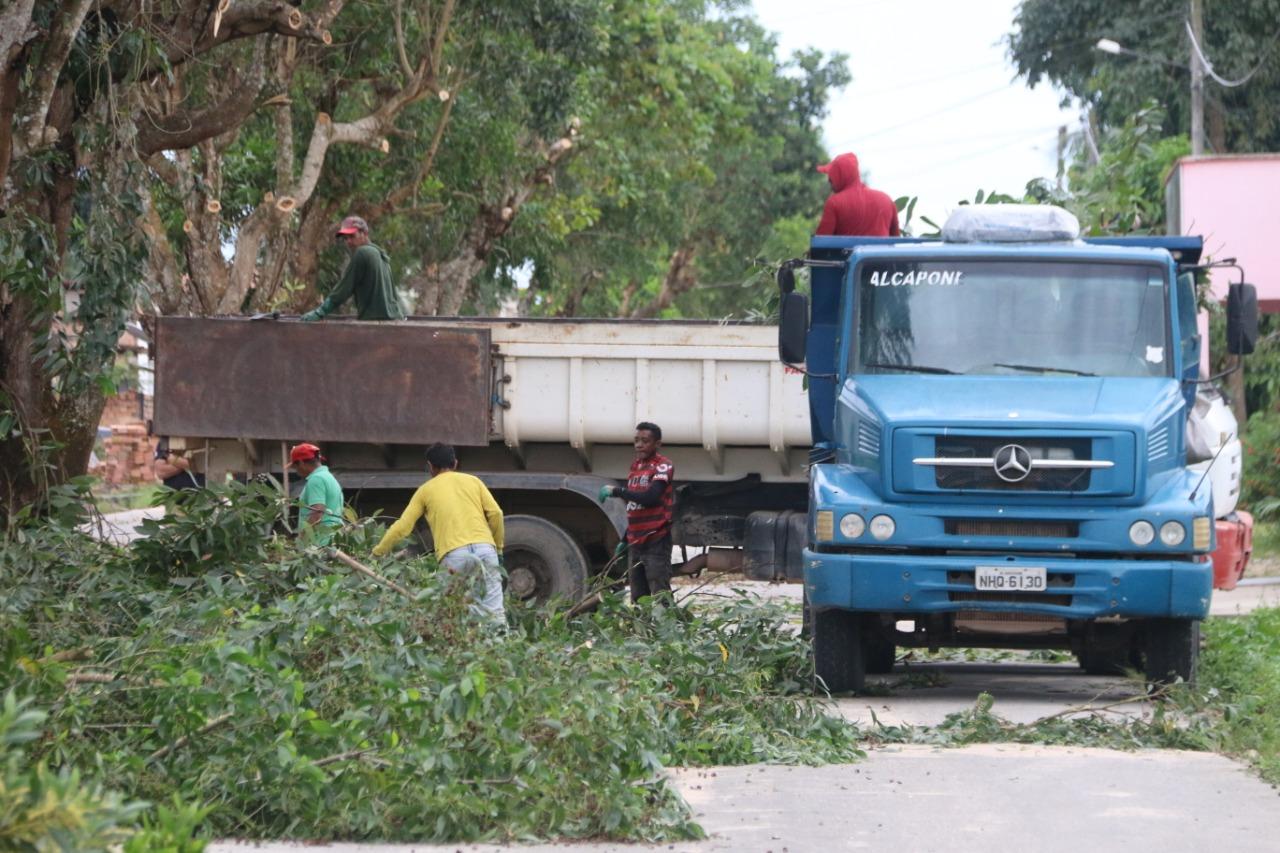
[{"x": 459, "y": 510}]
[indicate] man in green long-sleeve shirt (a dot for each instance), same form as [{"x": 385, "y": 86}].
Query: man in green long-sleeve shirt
[{"x": 367, "y": 278}]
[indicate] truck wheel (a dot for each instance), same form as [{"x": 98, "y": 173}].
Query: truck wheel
[
  {"x": 543, "y": 561},
  {"x": 1109, "y": 652},
  {"x": 878, "y": 648},
  {"x": 1104, "y": 661},
  {"x": 837, "y": 651},
  {"x": 1172, "y": 650}
]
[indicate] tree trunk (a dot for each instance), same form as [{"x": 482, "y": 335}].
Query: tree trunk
[
  {"x": 680, "y": 278},
  {"x": 448, "y": 286}
]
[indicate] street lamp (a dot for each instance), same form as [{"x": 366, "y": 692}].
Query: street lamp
[{"x": 1113, "y": 47}]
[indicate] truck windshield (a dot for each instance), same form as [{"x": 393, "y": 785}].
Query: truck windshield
[{"x": 1012, "y": 317}]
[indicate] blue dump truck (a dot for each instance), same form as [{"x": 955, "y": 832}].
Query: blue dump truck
[{"x": 999, "y": 453}]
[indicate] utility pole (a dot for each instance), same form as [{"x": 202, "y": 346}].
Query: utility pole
[
  {"x": 1197, "y": 80},
  {"x": 1062, "y": 157}
]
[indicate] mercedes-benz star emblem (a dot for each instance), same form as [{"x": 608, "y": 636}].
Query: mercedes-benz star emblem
[{"x": 1012, "y": 463}]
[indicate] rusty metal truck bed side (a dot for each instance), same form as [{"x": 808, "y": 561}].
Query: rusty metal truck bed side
[{"x": 388, "y": 383}]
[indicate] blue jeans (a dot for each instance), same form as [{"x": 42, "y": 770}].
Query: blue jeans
[{"x": 480, "y": 560}]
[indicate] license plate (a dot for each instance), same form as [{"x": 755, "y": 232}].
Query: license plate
[{"x": 1006, "y": 579}]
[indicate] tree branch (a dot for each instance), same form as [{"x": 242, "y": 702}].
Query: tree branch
[
  {"x": 186, "y": 128},
  {"x": 185, "y": 739},
  {"x": 405, "y": 66},
  {"x": 31, "y": 121},
  {"x": 244, "y": 20},
  {"x": 680, "y": 278}
]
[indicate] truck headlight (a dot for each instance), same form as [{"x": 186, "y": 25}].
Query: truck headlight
[
  {"x": 852, "y": 526},
  {"x": 1142, "y": 533},
  {"x": 882, "y": 527},
  {"x": 1172, "y": 533}
]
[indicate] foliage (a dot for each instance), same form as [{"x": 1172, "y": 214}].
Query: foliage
[
  {"x": 46, "y": 810},
  {"x": 1240, "y": 676},
  {"x": 1261, "y": 443},
  {"x": 1261, "y": 367},
  {"x": 1166, "y": 729},
  {"x": 1123, "y": 192},
  {"x": 302, "y": 701},
  {"x": 696, "y": 159},
  {"x": 1055, "y": 41}
]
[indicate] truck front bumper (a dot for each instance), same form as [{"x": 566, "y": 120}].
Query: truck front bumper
[{"x": 1078, "y": 588}]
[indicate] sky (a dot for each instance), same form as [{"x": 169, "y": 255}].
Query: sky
[{"x": 934, "y": 109}]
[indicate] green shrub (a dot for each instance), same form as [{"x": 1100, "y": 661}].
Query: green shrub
[
  {"x": 43, "y": 810},
  {"x": 1261, "y": 441}
]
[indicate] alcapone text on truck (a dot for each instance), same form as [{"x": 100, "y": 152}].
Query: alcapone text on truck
[{"x": 999, "y": 453}]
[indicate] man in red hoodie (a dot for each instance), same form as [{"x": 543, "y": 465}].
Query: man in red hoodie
[{"x": 854, "y": 209}]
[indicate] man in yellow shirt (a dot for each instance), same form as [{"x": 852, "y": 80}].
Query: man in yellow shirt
[{"x": 466, "y": 526}]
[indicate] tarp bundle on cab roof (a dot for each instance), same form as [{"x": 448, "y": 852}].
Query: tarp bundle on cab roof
[{"x": 1010, "y": 223}]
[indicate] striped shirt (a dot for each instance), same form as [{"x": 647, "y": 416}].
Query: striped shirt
[{"x": 650, "y": 522}]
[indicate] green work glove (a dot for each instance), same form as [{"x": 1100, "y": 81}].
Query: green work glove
[
  {"x": 606, "y": 492},
  {"x": 620, "y": 550},
  {"x": 312, "y": 315}
]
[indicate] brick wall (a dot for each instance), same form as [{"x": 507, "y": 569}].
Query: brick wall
[
  {"x": 128, "y": 452},
  {"x": 127, "y": 407},
  {"x": 128, "y": 456}
]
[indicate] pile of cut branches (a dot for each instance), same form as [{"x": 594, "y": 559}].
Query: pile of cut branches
[{"x": 294, "y": 698}]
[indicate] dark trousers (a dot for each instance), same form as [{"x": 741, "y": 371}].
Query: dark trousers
[{"x": 650, "y": 567}]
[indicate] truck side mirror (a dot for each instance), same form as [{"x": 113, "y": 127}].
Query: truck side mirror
[
  {"x": 793, "y": 327},
  {"x": 786, "y": 279},
  {"x": 1242, "y": 318}
]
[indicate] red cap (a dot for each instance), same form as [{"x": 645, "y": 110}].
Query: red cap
[
  {"x": 825, "y": 168},
  {"x": 351, "y": 225},
  {"x": 304, "y": 452}
]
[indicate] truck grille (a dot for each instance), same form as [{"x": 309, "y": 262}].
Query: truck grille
[
  {"x": 1014, "y": 597},
  {"x": 985, "y": 478},
  {"x": 1011, "y": 527}
]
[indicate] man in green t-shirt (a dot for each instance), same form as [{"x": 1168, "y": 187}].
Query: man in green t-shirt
[
  {"x": 321, "y": 499},
  {"x": 367, "y": 278}
]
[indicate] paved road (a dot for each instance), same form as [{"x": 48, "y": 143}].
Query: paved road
[
  {"x": 981, "y": 798},
  {"x": 121, "y": 528},
  {"x": 924, "y": 694}
]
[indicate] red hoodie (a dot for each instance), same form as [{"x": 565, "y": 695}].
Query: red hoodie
[{"x": 854, "y": 209}]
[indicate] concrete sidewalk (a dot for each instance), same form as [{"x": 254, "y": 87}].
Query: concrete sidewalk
[{"x": 980, "y": 798}]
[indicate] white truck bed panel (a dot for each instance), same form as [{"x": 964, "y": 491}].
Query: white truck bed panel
[{"x": 589, "y": 383}]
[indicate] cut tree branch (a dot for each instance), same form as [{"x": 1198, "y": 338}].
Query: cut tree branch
[{"x": 186, "y": 128}]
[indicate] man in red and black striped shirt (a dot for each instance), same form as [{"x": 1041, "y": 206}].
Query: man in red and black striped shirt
[{"x": 649, "y": 497}]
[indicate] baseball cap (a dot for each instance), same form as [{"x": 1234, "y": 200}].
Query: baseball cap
[
  {"x": 304, "y": 452},
  {"x": 351, "y": 225}
]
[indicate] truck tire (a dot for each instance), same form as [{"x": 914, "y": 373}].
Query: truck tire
[
  {"x": 1171, "y": 650},
  {"x": 837, "y": 651},
  {"x": 543, "y": 561},
  {"x": 878, "y": 648},
  {"x": 1109, "y": 651}
]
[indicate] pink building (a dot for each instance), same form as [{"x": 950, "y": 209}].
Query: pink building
[{"x": 1233, "y": 202}]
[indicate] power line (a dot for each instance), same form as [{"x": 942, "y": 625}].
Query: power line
[
  {"x": 1208, "y": 66},
  {"x": 929, "y": 143},
  {"x": 921, "y": 81},
  {"x": 969, "y": 155},
  {"x": 950, "y": 107}
]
